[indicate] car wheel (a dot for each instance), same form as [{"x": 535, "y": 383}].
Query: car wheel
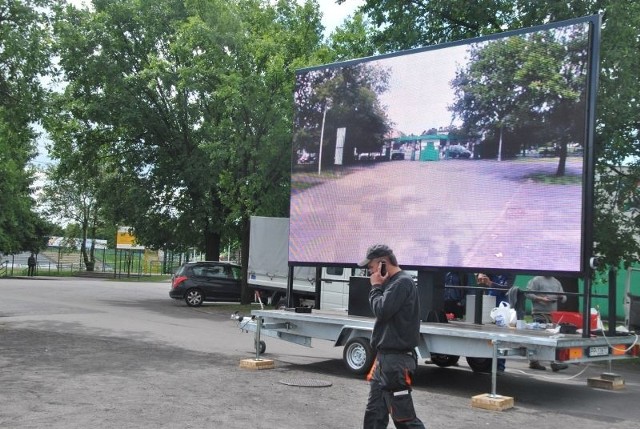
[
  {"x": 479, "y": 364},
  {"x": 358, "y": 355},
  {"x": 193, "y": 297},
  {"x": 444, "y": 361}
]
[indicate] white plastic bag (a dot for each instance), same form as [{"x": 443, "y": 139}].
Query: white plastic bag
[{"x": 504, "y": 315}]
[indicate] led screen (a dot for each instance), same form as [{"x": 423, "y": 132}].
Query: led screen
[{"x": 468, "y": 155}]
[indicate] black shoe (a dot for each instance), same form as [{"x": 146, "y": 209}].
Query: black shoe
[
  {"x": 555, "y": 367},
  {"x": 536, "y": 365}
]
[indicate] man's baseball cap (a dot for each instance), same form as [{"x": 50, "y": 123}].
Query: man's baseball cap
[{"x": 375, "y": 251}]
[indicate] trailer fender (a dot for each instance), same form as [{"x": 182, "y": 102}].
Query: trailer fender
[{"x": 349, "y": 332}]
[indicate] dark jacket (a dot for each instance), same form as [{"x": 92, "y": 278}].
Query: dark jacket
[{"x": 396, "y": 308}]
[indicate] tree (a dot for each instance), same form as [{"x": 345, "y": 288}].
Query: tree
[
  {"x": 344, "y": 97},
  {"x": 187, "y": 107},
  {"x": 351, "y": 40},
  {"x": 403, "y": 25},
  {"x": 71, "y": 198},
  {"x": 617, "y": 222},
  {"x": 133, "y": 74},
  {"x": 253, "y": 141},
  {"x": 538, "y": 86},
  {"x": 24, "y": 57}
]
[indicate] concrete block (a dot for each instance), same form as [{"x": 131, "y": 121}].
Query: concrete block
[{"x": 492, "y": 402}]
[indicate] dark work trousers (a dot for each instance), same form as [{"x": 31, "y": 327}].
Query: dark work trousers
[{"x": 390, "y": 392}]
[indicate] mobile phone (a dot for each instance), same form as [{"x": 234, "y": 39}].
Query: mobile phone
[{"x": 383, "y": 268}]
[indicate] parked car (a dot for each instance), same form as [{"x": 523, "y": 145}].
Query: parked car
[
  {"x": 548, "y": 151},
  {"x": 457, "y": 151},
  {"x": 397, "y": 155},
  {"x": 197, "y": 282}
]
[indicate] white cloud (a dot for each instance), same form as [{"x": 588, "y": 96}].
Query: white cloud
[{"x": 333, "y": 15}]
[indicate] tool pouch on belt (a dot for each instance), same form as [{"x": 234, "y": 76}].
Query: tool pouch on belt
[{"x": 401, "y": 406}]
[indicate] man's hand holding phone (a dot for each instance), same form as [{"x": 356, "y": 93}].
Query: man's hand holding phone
[{"x": 380, "y": 275}]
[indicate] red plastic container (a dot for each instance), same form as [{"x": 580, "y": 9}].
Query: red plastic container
[{"x": 574, "y": 318}]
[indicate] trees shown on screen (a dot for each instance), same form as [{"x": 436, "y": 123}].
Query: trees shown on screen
[
  {"x": 341, "y": 97},
  {"x": 523, "y": 86}
]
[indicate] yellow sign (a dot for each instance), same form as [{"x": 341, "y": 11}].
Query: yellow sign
[{"x": 126, "y": 240}]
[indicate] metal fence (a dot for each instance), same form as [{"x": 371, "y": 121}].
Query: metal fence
[{"x": 58, "y": 260}]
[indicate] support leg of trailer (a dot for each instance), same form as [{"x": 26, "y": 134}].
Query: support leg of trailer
[
  {"x": 258, "y": 362},
  {"x": 492, "y": 401}
]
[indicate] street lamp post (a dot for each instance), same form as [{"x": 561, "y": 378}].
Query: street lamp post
[{"x": 324, "y": 117}]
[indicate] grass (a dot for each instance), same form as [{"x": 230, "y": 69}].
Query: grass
[{"x": 555, "y": 180}]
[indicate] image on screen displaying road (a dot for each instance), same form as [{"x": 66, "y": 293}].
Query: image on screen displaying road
[{"x": 450, "y": 213}]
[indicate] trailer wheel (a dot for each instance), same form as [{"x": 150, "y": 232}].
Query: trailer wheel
[
  {"x": 262, "y": 347},
  {"x": 479, "y": 364},
  {"x": 281, "y": 303},
  {"x": 443, "y": 360},
  {"x": 358, "y": 355}
]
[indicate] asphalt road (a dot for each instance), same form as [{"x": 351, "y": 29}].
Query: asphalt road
[
  {"x": 454, "y": 213},
  {"x": 78, "y": 353}
]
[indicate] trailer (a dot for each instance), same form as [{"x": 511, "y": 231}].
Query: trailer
[
  {"x": 268, "y": 271},
  {"x": 331, "y": 303},
  {"x": 442, "y": 343}
]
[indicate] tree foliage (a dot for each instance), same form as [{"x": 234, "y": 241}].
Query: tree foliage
[
  {"x": 526, "y": 84},
  {"x": 24, "y": 57},
  {"x": 144, "y": 77},
  {"x": 341, "y": 97},
  {"x": 183, "y": 111}
]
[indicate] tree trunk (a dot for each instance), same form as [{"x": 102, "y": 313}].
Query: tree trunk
[
  {"x": 212, "y": 246},
  {"x": 563, "y": 158}
]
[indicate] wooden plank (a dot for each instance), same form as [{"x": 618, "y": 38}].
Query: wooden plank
[
  {"x": 493, "y": 403},
  {"x": 257, "y": 364}
]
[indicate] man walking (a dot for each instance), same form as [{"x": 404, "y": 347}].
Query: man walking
[{"x": 396, "y": 331}]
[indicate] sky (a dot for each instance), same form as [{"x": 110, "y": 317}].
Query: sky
[
  {"x": 420, "y": 88},
  {"x": 334, "y": 15}
]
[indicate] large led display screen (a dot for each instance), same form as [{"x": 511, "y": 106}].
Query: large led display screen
[{"x": 470, "y": 155}]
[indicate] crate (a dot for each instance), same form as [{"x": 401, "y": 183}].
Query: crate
[{"x": 574, "y": 318}]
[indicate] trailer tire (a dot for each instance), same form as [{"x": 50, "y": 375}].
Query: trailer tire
[
  {"x": 443, "y": 360},
  {"x": 262, "y": 347},
  {"x": 281, "y": 302},
  {"x": 358, "y": 355},
  {"x": 479, "y": 364}
]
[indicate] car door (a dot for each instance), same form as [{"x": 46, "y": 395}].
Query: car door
[
  {"x": 221, "y": 285},
  {"x": 202, "y": 278}
]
